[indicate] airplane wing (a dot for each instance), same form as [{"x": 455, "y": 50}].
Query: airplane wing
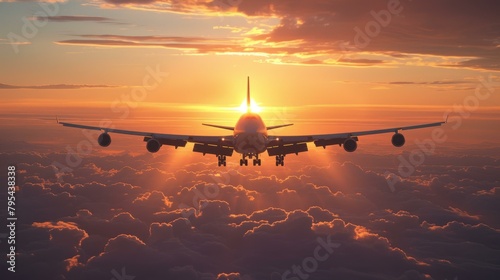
[
  {"x": 282, "y": 145},
  {"x": 217, "y": 145}
]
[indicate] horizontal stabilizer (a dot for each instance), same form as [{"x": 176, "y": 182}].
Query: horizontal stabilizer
[
  {"x": 219, "y": 126},
  {"x": 278, "y": 126}
]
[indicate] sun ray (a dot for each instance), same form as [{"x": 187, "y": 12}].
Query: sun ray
[{"x": 254, "y": 107}]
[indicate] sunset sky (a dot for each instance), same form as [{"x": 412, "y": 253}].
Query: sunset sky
[{"x": 327, "y": 66}]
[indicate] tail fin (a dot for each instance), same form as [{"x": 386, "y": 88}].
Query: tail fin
[{"x": 248, "y": 94}]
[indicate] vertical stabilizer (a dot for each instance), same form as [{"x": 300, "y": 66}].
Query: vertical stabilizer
[{"x": 248, "y": 95}]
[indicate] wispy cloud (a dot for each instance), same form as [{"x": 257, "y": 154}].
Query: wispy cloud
[
  {"x": 58, "y": 86},
  {"x": 361, "y": 61},
  {"x": 75, "y": 18},
  {"x": 45, "y": 1},
  {"x": 190, "y": 44},
  {"x": 8, "y": 42}
]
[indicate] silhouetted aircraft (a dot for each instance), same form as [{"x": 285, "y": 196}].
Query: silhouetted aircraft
[{"x": 250, "y": 138}]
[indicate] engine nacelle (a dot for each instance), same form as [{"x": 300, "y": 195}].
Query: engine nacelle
[
  {"x": 398, "y": 140},
  {"x": 350, "y": 145},
  {"x": 104, "y": 139},
  {"x": 153, "y": 145}
]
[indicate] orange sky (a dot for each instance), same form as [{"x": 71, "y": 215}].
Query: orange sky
[{"x": 86, "y": 63}]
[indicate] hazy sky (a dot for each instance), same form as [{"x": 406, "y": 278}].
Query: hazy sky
[
  {"x": 325, "y": 65},
  {"x": 353, "y": 59}
]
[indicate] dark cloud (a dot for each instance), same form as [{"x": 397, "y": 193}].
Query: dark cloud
[
  {"x": 462, "y": 33},
  {"x": 139, "y": 214}
]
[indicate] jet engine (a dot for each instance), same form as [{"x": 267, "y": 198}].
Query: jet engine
[
  {"x": 350, "y": 145},
  {"x": 398, "y": 140},
  {"x": 104, "y": 139},
  {"x": 153, "y": 145}
]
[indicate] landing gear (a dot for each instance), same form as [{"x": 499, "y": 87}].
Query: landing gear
[
  {"x": 221, "y": 160},
  {"x": 257, "y": 161},
  {"x": 280, "y": 160}
]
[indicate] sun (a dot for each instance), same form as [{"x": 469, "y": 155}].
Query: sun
[{"x": 254, "y": 108}]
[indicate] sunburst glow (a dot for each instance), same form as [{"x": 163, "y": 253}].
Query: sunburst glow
[{"x": 254, "y": 107}]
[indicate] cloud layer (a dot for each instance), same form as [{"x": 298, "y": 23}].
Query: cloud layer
[{"x": 138, "y": 215}]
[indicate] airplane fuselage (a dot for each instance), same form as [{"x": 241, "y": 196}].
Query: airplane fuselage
[{"x": 250, "y": 135}]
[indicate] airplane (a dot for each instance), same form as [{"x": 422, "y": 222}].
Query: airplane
[{"x": 250, "y": 138}]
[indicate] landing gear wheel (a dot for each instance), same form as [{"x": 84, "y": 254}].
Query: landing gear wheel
[
  {"x": 221, "y": 160},
  {"x": 257, "y": 162},
  {"x": 280, "y": 160}
]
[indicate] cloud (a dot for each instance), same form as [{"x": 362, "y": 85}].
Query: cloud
[
  {"x": 71, "y": 18},
  {"x": 138, "y": 213},
  {"x": 152, "y": 38},
  {"x": 447, "y": 82},
  {"x": 361, "y": 61},
  {"x": 59, "y": 86},
  {"x": 150, "y": 202},
  {"x": 63, "y": 233},
  {"x": 46, "y": 1},
  {"x": 199, "y": 48},
  {"x": 396, "y": 31},
  {"x": 54, "y": 249},
  {"x": 270, "y": 215}
]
